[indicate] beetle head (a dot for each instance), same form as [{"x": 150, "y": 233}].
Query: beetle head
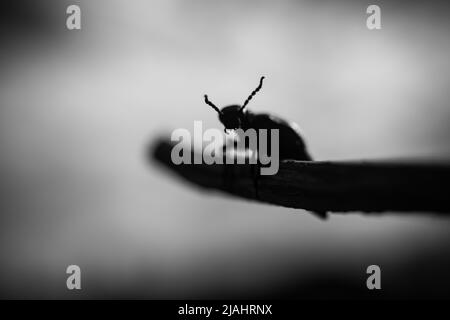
[{"x": 232, "y": 116}]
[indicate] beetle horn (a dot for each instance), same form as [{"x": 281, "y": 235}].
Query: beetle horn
[
  {"x": 212, "y": 104},
  {"x": 252, "y": 94}
]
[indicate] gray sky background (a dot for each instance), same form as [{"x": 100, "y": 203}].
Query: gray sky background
[{"x": 78, "y": 110}]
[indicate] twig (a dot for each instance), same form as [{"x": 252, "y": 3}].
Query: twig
[{"x": 365, "y": 186}]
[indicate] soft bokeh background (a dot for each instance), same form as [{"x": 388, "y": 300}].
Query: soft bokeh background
[{"x": 78, "y": 110}]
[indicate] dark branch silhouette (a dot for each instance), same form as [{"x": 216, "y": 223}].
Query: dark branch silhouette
[{"x": 335, "y": 186}]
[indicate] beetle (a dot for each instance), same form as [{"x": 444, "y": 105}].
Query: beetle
[{"x": 291, "y": 143}]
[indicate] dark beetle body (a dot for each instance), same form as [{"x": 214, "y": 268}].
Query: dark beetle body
[{"x": 291, "y": 143}]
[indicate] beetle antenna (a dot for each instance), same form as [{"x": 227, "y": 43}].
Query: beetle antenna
[
  {"x": 252, "y": 94},
  {"x": 212, "y": 104}
]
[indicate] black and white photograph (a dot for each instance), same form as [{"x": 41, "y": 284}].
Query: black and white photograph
[{"x": 197, "y": 151}]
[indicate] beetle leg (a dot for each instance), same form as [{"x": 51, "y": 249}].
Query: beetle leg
[
  {"x": 225, "y": 168},
  {"x": 255, "y": 176},
  {"x": 227, "y": 173},
  {"x": 255, "y": 172}
]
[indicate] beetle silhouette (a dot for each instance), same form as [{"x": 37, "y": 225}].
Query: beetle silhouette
[{"x": 291, "y": 143}]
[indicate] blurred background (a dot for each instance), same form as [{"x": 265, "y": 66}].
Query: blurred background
[{"x": 79, "y": 109}]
